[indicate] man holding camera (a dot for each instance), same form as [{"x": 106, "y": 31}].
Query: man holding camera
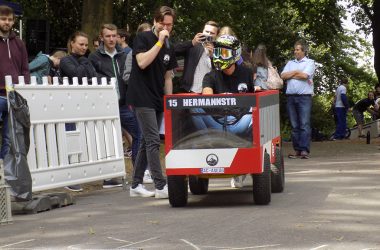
[{"x": 198, "y": 54}]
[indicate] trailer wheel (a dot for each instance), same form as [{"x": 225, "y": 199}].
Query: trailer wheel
[
  {"x": 262, "y": 184},
  {"x": 278, "y": 172},
  {"x": 198, "y": 185},
  {"x": 177, "y": 188}
]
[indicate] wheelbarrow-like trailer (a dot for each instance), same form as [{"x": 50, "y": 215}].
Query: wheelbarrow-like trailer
[{"x": 220, "y": 136}]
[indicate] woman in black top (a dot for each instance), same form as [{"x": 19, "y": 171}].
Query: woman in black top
[{"x": 76, "y": 64}]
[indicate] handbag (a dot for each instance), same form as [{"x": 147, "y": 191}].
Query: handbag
[{"x": 274, "y": 80}]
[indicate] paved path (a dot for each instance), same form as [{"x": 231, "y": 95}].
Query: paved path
[{"x": 331, "y": 201}]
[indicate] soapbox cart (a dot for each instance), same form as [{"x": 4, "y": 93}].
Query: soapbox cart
[{"x": 221, "y": 136}]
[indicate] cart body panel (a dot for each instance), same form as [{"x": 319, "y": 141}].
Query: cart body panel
[{"x": 220, "y": 135}]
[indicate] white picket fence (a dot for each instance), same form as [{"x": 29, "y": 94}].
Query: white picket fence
[{"x": 91, "y": 152}]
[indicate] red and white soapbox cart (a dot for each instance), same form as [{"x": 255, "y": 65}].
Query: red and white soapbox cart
[{"x": 223, "y": 135}]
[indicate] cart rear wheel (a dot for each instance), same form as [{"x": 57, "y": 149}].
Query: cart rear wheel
[
  {"x": 262, "y": 184},
  {"x": 198, "y": 185},
  {"x": 177, "y": 188},
  {"x": 278, "y": 172}
]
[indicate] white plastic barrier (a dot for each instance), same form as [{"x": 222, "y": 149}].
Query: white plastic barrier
[{"x": 92, "y": 151}]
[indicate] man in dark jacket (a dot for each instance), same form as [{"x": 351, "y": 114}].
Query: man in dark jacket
[
  {"x": 109, "y": 61},
  {"x": 198, "y": 54},
  {"x": 13, "y": 62}
]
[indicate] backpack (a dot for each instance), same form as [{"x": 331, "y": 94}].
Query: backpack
[{"x": 274, "y": 80}]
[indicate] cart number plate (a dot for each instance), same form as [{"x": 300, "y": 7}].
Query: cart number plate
[{"x": 212, "y": 170}]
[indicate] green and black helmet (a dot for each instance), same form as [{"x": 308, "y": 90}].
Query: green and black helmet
[{"x": 227, "y": 51}]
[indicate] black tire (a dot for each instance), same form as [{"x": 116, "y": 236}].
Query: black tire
[
  {"x": 278, "y": 172},
  {"x": 198, "y": 185},
  {"x": 177, "y": 188},
  {"x": 262, "y": 184}
]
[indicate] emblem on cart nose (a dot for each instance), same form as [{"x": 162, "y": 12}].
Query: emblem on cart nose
[{"x": 212, "y": 159}]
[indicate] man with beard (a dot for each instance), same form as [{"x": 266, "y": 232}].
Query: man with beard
[{"x": 13, "y": 62}]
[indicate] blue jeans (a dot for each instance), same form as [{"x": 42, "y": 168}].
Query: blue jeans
[
  {"x": 241, "y": 127},
  {"x": 129, "y": 122},
  {"x": 299, "y": 112},
  {"x": 341, "y": 124},
  {"x": 5, "y": 142},
  {"x": 149, "y": 151}
]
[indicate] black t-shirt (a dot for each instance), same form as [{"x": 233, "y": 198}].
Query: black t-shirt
[
  {"x": 363, "y": 104},
  {"x": 222, "y": 83},
  {"x": 146, "y": 86}
]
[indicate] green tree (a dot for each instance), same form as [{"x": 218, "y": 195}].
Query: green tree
[
  {"x": 63, "y": 20},
  {"x": 367, "y": 17},
  {"x": 94, "y": 14}
]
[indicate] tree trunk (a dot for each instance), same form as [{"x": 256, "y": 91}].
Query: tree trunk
[
  {"x": 376, "y": 36},
  {"x": 94, "y": 14}
]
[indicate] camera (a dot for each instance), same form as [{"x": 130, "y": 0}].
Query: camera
[{"x": 207, "y": 39}]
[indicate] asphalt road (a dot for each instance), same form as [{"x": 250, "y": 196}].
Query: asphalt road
[{"x": 331, "y": 201}]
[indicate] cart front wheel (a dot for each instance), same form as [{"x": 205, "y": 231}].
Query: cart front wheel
[
  {"x": 262, "y": 184},
  {"x": 177, "y": 188}
]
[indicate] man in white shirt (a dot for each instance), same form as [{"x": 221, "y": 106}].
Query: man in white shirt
[{"x": 298, "y": 74}]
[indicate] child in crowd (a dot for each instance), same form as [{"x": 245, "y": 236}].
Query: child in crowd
[{"x": 45, "y": 65}]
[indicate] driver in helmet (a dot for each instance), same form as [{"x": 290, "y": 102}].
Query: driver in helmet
[{"x": 227, "y": 76}]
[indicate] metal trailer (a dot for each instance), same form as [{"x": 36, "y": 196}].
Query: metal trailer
[{"x": 219, "y": 136}]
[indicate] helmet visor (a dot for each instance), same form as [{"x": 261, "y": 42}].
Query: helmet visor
[{"x": 222, "y": 53}]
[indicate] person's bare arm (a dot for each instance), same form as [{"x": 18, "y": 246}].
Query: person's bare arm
[
  {"x": 197, "y": 39},
  {"x": 296, "y": 74},
  {"x": 144, "y": 59},
  {"x": 168, "y": 89},
  {"x": 207, "y": 91}
]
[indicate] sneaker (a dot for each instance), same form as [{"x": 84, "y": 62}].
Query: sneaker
[
  {"x": 236, "y": 182},
  {"x": 304, "y": 155},
  {"x": 147, "y": 179},
  {"x": 162, "y": 193},
  {"x": 295, "y": 155},
  {"x": 111, "y": 183},
  {"x": 140, "y": 191},
  {"x": 74, "y": 188}
]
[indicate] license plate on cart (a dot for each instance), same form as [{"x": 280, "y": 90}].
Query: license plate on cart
[{"x": 212, "y": 170}]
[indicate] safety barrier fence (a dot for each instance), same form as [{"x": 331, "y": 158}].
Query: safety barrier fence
[{"x": 75, "y": 131}]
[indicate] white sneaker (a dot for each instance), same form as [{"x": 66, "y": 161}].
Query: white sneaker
[
  {"x": 236, "y": 182},
  {"x": 140, "y": 191},
  {"x": 147, "y": 177},
  {"x": 162, "y": 194}
]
